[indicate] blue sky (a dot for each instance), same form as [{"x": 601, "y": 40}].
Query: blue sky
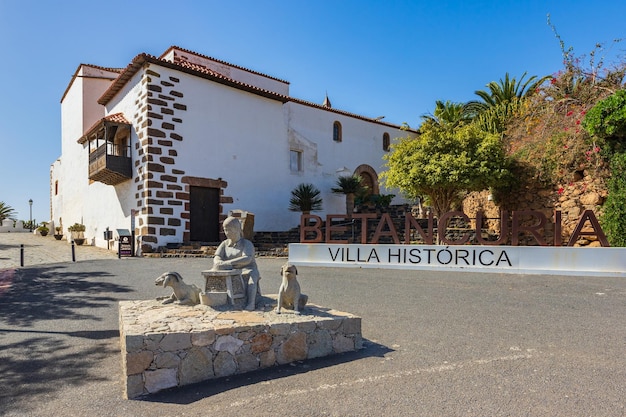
[{"x": 374, "y": 58}]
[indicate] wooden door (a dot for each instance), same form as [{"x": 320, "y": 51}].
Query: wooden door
[{"x": 204, "y": 214}]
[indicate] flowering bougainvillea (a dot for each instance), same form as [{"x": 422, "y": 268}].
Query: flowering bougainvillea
[{"x": 550, "y": 136}]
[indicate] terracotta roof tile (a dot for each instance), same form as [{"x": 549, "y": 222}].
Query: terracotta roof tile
[
  {"x": 221, "y": 62},
  {"x": 194, "y": 69},
  {"x": 117, "y": 118},
  {"x": 118, "y": 70}
]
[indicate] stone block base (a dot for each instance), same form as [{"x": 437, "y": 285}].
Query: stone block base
[{"x": 166, "y": 346}]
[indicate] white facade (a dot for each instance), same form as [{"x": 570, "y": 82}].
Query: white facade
[{"x": 199, "y": 130}]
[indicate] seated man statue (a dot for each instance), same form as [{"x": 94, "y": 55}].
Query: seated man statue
[{"x": 238, "y": 253}]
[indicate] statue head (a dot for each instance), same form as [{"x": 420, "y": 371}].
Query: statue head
[{"x": 232, "y": 229}]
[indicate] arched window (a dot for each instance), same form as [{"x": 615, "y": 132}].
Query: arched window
[
  {"x": 337, "y": 132},
  {"x": 369, "y": 178},
  {"x": 386, "y": 142}
]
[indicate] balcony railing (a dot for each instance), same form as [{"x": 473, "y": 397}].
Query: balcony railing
[{"x": 110, "y": 164}]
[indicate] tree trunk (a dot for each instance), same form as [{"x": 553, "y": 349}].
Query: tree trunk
[{"x": 349, "y": 204}]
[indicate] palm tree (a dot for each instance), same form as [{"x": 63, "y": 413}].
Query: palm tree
[
  {"x": 501, "y": 101},
  {"x": 305, "y": 198},
  {"x": 348, "y": 185},
  {"x": 6, "y": 211},
  {"x": 505, "y": 91},
  {"x": 447, "y": 115}
]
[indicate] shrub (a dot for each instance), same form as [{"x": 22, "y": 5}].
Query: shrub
[
  {"x": 76, "y": 227},
  {"x": 614, "y": 218},
  {"x": 607, "y": 119},
  {"x": 305, "y": 198}
]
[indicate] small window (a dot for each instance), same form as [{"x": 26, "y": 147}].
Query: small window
[
  {"x": 386, "y": 142},
  {"x": 56, "y": 187},
  {"x": 337, "y": 132},
  {"x": 295, "y": 161}
]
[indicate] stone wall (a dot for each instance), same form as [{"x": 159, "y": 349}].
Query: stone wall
[
  {"x": 167, "y": 346},
  {"x": 584, "y": 192}
]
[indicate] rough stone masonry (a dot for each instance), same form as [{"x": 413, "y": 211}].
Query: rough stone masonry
[{"x": 166, "y": 346}]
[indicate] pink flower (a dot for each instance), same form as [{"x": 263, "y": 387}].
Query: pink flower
[
  {"x": 569, "y": 113},
  {"x": 566, "y": 147},
  {"x": 578, "y": 122},
  {"x": 596, "y": 149},
  {"x": 560, "y": 190},
  {"x": 582, "y": 113}
]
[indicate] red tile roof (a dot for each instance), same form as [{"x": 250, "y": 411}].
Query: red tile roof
[
  {"x": 118, "y": 70},
  {"x": 197, "y": 70},
  {"x": 221, "y": 62},
  {"x": 117, "y": 118}
]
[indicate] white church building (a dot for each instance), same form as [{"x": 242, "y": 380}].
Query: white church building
[{"x": 169, "y": 145}]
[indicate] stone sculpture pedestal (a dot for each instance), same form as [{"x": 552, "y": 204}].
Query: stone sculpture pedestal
[
  {"x": 229, "y": 281},
  {"x": 167, "y": 346}
]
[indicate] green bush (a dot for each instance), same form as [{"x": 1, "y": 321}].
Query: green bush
[
  {"x": 607, "y": 119},
  {"x": 614, "y": 218},
  {"x": 305, "y": 198}
]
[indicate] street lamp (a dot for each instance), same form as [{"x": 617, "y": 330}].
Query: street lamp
[{"x": 30, "y": 203}]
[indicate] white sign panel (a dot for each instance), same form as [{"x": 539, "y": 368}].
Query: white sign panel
[{"x": 501, "y": 259}]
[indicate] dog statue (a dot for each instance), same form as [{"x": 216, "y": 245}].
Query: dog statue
[
  {"x": 183, "y": 293},
  {"x": 289, "y": 295}
]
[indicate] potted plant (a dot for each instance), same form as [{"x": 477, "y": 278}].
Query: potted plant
[
  {"x": 305, "y": 198},
  {"x": 77, "y": 231},
  {"x": 58, "y": 235},
  {"x": 43, "y": 229}
]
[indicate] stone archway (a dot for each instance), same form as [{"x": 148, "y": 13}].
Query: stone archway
[{"x": 370, "y": 178}]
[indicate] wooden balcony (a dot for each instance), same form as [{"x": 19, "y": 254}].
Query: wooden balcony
[{"x": 110, "y": 164}]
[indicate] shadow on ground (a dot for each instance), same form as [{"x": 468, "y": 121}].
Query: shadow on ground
[
  {"x": 39, "y": 353},
  {"x": 36, "y": 367},
  {"x": 51, "y": 293},
  {"x": 195, "y": 392}
]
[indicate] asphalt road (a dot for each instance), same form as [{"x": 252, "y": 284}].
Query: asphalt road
[{"x": 436, "y": 344}]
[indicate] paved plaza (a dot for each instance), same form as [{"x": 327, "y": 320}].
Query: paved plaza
[
  {"x": 44, "y": 250},
  {"x": 435, "y": 343}
]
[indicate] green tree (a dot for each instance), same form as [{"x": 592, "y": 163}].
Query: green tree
[
  {"x": 350, "y": 185},
  {"x": 501, "y": 101},
  {"x": 442, "y": 164},
  {"x": 305, "y": 198},
  {"x": 447, "y": 115},
  {"x": 6, "y": 211}
]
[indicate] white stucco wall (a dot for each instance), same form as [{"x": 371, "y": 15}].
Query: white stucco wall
[
  {"x": 227, "y": 134},
  {"x": 246, "y": 140},
  {"x": 327, "y": 160},
  {"x": 94, "y": 204},
  {"x": 110, "y": 205},
  {"x": 239, "y": 137}
]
